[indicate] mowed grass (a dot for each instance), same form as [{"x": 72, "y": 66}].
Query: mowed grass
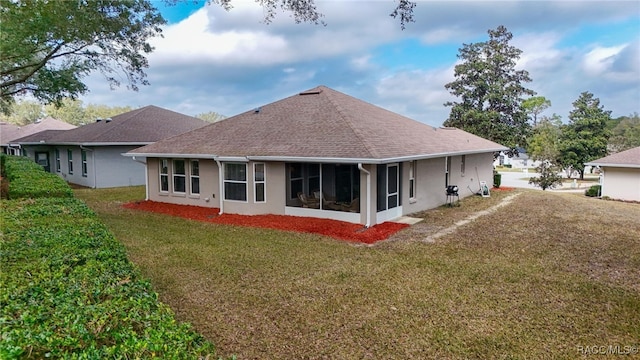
[{"x": 543, "y": 277}]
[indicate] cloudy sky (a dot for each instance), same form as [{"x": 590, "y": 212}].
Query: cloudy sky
[{"x": 230, "y": 62}]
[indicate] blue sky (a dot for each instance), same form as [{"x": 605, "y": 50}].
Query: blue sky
[{"x": 230, "y": 62}]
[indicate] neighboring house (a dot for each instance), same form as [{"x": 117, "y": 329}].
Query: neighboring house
[
  {"x": 520, "y": 161},
  {"x": 11, "y": 132},
  {"x": 620, "y": 174},
  {"x": 319, "y": 153},
  {"x": 91, "y": 155}
]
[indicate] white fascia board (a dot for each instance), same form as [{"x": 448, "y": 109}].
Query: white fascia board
[
  {"x": 634, "y": 166},
  {"x": 170, "y": 155}
]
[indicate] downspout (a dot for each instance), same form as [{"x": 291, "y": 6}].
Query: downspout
[
  {"x": 146, "y": 176},
  {"x": 220, "y": 186},
  {"x": 368, "y": 174}
]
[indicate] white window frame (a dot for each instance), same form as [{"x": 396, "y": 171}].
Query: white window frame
[
  {"x": 263, "y": 182},
  {"x": 226, "y": 180},
  {"x": 57, "y": 155},
  {"x": 70, "y": 161},
  {"x": 83, "y": 158},
  {"x": 166, "y": 175},
  {"x": 193, "y": 176},
  {"x": 175, "y": 175}
]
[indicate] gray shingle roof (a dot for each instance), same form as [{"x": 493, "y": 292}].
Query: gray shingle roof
[
  {"x": 140, "y": 126},
  {"x": 10, "y": 132},
  {"x": 628, "y": 158},
  {"x": 320, "y": 123}
]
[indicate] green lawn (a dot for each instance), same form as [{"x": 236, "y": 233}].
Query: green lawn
[{"x": 543, "y": 277}]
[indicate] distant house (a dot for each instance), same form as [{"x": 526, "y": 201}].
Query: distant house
[
  {"x": 520, "y": 161},
  {"x": 91, "y": 155},
  {"x": 319, "y": 153},
  {"x": 11, "y": 132},
  {"x": 620, "y": 174}
]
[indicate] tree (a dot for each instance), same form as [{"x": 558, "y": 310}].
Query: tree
[
  {"x": 625, "y": 134},
  {"x": 23, "y": 112},
  {"x": 548, "y": 178},
  {"x": 74, "y": 112},
  {"x": 47, "y": 47},
  {"x": 534, "y": 106},
  {"x": 491, "y": 91},
  {"x": 586, "y": 136},
  {"x": 211, "y": 116},
  {"x": 544, "y": 143}
]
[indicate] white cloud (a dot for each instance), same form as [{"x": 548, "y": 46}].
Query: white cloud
[{"x": 600, "y": 59}]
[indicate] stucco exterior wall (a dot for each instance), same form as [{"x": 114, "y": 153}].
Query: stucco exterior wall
[
  {"x": 477, "y": 167},
  {"x": 112, "y": 169},
  {"x": 621, "y": 183},
  {"x": 209, "y": 190},
  {"x": 430, "y": 189}
]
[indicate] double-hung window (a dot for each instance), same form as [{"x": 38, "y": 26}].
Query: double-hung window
[
  {"x": 235, "y": 181},
  {"x": 179, "y": 176},
  {"x": 164, "y": 175},
  {"x": 83, "y": 156},
  {"x": 412, "y": 179},
  {"x": 70, "y": 160},
  {"x": 57, "y": 152},
  {"x": 259, "y": 181},
  {"x": 194, "y": 176}
]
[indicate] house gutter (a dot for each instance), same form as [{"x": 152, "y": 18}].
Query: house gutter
[
  {"x": 220, "y": 186},
  {"x": 368, "y": 174}
]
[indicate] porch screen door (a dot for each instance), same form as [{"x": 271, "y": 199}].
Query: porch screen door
[{"x": 392, "y": 186}]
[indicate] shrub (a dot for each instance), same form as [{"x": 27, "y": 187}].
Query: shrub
[
  {"x": 593, "y": 191},
  {"x": 497, "y": 179},
  {"x": 69, "y": 291},
  {"x": 28, "y": 180}
]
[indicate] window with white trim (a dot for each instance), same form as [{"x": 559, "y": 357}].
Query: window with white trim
[
  {"x": 179, "y": 176},
  {"x": 83, "y": 157},
  {"x": 412, "y": 179},
  {"x": 164, "y": 175},
  {"x": 259, "y": 181},
  {"x": 235, "y": 181},
  {"x": 70, "y": 161},
  {"x": 57, "y": 154},
  {"x": 194, "y": 176}
]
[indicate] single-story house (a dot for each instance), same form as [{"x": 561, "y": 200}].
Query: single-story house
[
  {"x": 91, "y": 155},
  {"x": 319, "y": 153},
  {"x": 620, "y": 176},
  {"x": 11, "y": 132},
  {"x": 520, "y": 161}
]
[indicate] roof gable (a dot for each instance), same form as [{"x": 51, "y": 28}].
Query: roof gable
[{"x": 320, "y": 123}]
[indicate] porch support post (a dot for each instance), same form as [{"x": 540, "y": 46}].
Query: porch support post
[
  {"x": 220, "y": 186},
  {"x": 368, "y": 207}
]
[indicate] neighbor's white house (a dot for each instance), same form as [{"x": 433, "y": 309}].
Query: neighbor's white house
[
  {"x": 319, "y": 153},
  {"x": 91, "y": 155},
  {"x": 620, "y": 174}
]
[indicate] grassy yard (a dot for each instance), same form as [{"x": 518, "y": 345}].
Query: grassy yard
[{"x": 545, "y": 276}]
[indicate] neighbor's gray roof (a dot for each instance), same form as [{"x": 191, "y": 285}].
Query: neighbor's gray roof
[
  {"x": 140, "y": 126},
  {"x": 11, "y": 132},
  {"x": 628, "y": 158},
  {"x": 320, "y": 123}
]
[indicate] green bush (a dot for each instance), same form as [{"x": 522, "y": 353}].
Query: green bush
[
  {"x": 497, "y": 179},
  {"x": 593, "y": 191},
  {"x": 28, "y": 180},
  {"x": 69, "y": 291}
]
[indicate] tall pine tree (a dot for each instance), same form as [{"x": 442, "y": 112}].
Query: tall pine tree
[
  {"x": 491, "y": 91},
  {"x": 586, "y": 136}
]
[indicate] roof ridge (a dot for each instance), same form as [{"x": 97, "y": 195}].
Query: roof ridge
[{"x": 361, "y": 137}]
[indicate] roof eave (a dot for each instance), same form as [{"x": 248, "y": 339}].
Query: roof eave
[{"x": 634, "y": 166}]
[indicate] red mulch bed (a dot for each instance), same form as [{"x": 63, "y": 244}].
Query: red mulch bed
[
  {"x": 336, "y": 229},
  {"x": 503, "y": 188}
]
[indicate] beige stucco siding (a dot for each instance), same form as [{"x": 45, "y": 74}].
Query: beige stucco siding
[
  {"x": 477, "y": 167},
  {"x": 621, "y": 183},
  {"x": 430, "y": 189},
  {"x": 274, "y": 195},
  {"x": 209, "y": 190}
]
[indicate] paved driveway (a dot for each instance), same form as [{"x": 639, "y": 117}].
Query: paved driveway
[{"x": 521, "y": 180}]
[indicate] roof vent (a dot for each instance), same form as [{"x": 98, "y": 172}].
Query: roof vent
[
  {"x": 107, "y": 119},
  {"x": 311, "y": 92},
  {"x": 257, "y": 110},
  {"x": 98, "y": 119}
]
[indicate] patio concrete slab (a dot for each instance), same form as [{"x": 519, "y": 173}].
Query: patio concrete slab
[{"x": 407, "y": 220}]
